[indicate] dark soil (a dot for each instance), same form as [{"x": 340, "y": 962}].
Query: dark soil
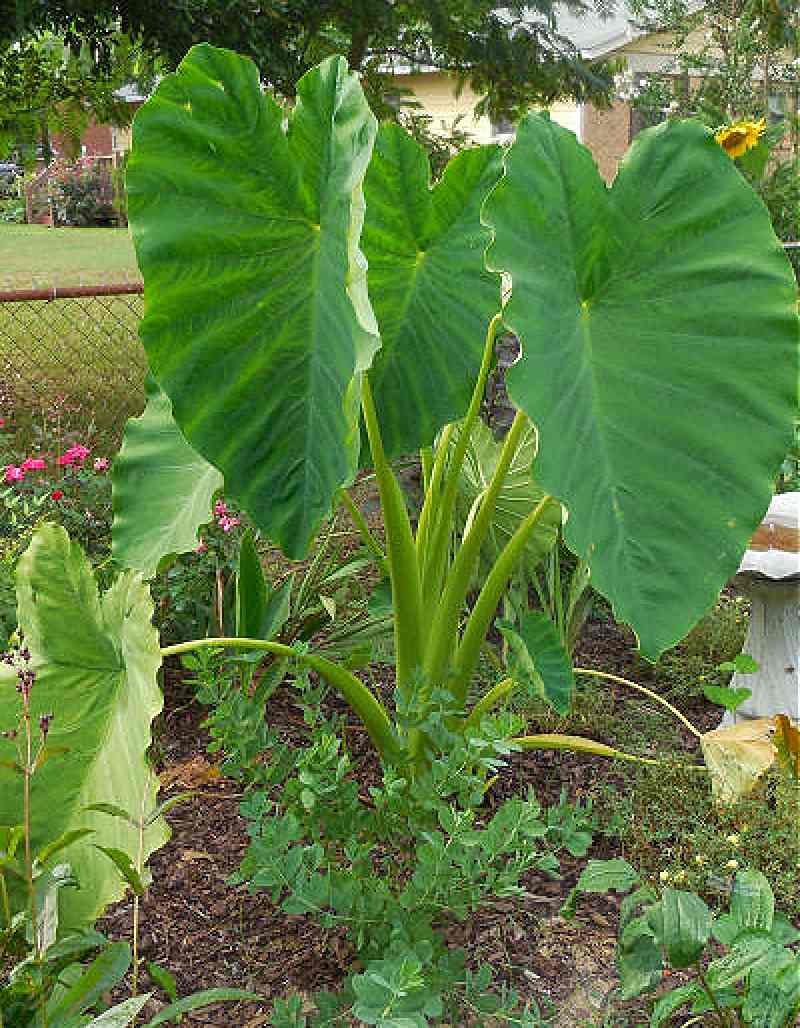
[{"x": 211, "y": 934}]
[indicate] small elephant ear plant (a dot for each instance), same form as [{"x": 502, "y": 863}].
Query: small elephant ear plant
[{"x": 314, "y": 303}]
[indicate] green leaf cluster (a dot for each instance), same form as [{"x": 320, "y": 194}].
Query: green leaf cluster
[
  {"x": 393, "y": 866},
  {"x": 744, "y": 963}
]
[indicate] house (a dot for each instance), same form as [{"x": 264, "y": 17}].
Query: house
[
  {"x": 607, "y": 133},
  {"x": 108, "y": 142}
]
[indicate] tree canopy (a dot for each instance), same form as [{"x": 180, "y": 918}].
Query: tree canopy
[
  {"x": 49, "y": 86},
  {"x": 513, "y": 56}
]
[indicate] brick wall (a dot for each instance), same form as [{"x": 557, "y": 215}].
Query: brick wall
[
  {"x": 607, "y": 134},
  {"x": 97, "y": 140}
]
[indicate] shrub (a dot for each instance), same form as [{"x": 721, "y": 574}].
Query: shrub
[{"x": 82, "y": 194}]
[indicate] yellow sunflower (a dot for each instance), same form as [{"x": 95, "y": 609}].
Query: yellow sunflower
[{"x": 739, "y": 138}]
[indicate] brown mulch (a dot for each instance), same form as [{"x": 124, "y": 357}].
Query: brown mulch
[{"x": 211, "y": 934}]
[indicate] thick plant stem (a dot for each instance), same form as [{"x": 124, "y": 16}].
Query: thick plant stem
[
  {"x": 443, "y": 638},
  {"x": 27, "y": 772},
  {"x": 579, "y": 744},
  {"x": 360, "y": 521},
  {"x": 364, "y": 704},
  {"x": 400, "y": 551},
  {"x": 4, "y": 901},
  {"x": 466, "y": 658},
  {"x": 489, "y": 701},
  {"x": 432, "y": 491},
  {"x": 640, "y": 688},
  {"x": 434, "y": 554}
]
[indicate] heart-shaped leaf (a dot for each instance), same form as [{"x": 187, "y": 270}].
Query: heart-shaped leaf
[
  {"x": 742, "y": 664},
  {"x": 659, "y": 358},
  {"x": 162, "y": 489},
  {"x": 539, "y": 660},
  {"x": 730, "y": 699},
  {"x": 257, "y": 322},
  {"x": 431, "y": 292}
]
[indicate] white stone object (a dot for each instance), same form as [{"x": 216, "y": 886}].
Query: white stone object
[{"x": 770, "y": 576}]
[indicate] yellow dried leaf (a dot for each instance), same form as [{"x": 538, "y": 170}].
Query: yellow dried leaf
[{"x": 737, "y": 756}]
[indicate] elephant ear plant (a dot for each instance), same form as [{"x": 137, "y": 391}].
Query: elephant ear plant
[{"x": 303, "y": 277}]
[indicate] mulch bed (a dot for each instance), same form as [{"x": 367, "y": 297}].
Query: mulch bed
[{"x": 211, "y": 934}]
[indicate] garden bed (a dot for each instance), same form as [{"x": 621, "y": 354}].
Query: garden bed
[{"x": 210, "y": 934}]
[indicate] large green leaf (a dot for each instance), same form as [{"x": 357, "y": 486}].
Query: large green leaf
[
  {"x": 162, "y": 489},
  {"x": 660, "y": 348},
  {"x": 198, "y": 1000},
  {"x": 96, "y": 659},
  {"x": 431, "y": 292},
  {"x": 257, "y": 324},
  {"x": 104, "y": 972},
  {"x": 752, "y": 949}
]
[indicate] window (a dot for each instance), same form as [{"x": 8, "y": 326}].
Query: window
[
  {"x": 778, "y": 107},
  {"x": 502, "y": 128}
]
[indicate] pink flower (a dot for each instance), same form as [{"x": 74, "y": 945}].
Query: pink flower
[
  {"x": 201, "y": 547},
  {"x": 56, "y": 494},
  {"x": 2, "y": 422},
  {"x": 34, "y": 464},
  {"x": 14, "y": 473},
  {"x": 101, "y": 464},
  {"x": 66, "y": 460},
  {"x": 220, "y": 509},
  {"x": 78, "y": 453},
  {"x": 227, "y": 523}
]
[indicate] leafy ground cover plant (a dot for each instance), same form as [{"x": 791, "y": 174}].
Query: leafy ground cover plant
[
  {"x": 744, "y": 963},
  {"x": 394, "y": 862}
]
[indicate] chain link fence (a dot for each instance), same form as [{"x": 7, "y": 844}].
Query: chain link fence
[
  {"x": 72, "y": 352},
  {"x": 76, "y": 350}
]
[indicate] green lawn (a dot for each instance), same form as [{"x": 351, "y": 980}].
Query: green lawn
[
  {"x": 82, "y": 354},
  {"x": 37, "y": 256}
]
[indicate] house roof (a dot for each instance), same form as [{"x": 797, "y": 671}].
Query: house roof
[
  {"x": 596, "y": 36},
  {"x": 130, "y": 93}
]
